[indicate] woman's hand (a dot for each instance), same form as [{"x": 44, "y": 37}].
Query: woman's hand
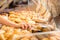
[{"x": 24, "y": 25}]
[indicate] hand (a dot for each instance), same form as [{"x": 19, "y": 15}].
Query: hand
[{"x": 25, "y": 26}]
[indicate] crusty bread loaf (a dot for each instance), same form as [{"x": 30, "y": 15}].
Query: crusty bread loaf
[{"x": 54, "y": 7}]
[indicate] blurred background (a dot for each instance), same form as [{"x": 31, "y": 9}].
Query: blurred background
[{"x": 52, "y": 5}]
